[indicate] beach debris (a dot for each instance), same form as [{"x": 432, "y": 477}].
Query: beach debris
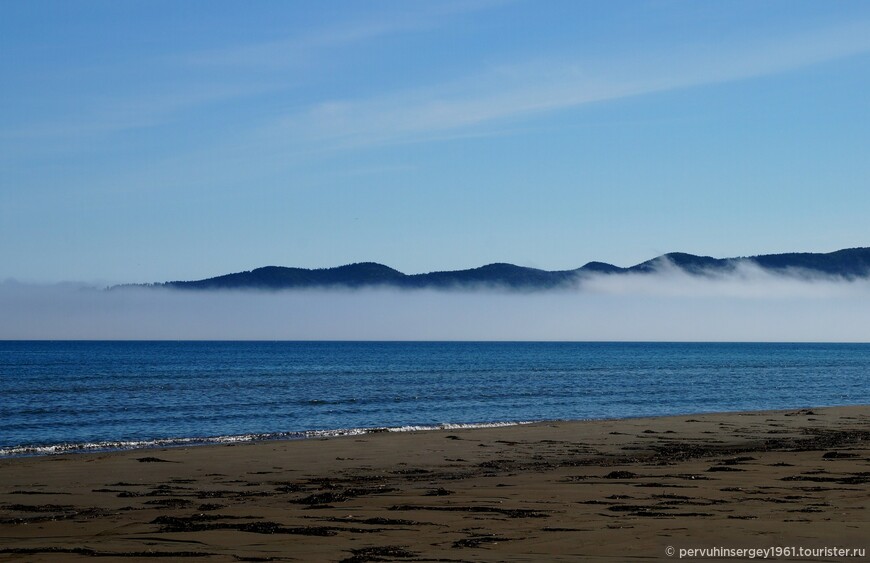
[
  {"x": 51, "y": 513},
  {"x": 439, "y": 492},
  {"x": 478, "y": 540},
  {"x": 94, "y": 553},
  {"x": 859, "y": 478},
  {"x": 838, "y": 455},
  {"x": 201, "y": 522},
  {"x": 377, "y": 521},
  {"x": 153, "y": 460},
  {"x": 621, "y": 475},
  {"x": 342, "y": 495},
  {"x": 509, "y": 512},
  {"x": 365, "y": 554},
  {"x": 169, "y": 502},
  {"x": 736, "y": 460}
]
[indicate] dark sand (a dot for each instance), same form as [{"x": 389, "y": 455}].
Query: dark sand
[{"x": 618, "y": 490}]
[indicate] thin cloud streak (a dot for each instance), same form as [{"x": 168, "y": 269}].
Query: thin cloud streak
[
  {"x": 516, "y": 91},
  {"x": 107, "y": 115},
  {"x": 478, "y": 105},
  {"x": 120, "y": 114},
  {"x": 303, "y": 50}
]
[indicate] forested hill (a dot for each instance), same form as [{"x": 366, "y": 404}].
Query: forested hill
[{"x": 849, "y": 263}]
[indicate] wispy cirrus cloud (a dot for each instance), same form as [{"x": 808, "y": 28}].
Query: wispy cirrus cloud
[
  {"x": 498, "y": 100},
  {"x": 164, "y": 100},
  {"x": 305, "y": 48},
  {"x": 117, "y": 113},
  {"x": 521, "y": 90},
  {"x": 494, "y": 100}
]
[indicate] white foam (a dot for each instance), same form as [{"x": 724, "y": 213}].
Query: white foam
[
  {"x": 84, "y": 447},
  {"x": 455, "y": 426}
]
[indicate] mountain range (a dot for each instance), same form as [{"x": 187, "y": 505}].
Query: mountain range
[{"x": 848, "y": 263}]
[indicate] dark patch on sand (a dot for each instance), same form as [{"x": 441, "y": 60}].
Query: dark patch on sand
[
  {"x": 153, "y": 460},
  {"x": 93, "y": 553},
  {"x": 509, "y": 512},
  {"x": 366, "y": 554}
]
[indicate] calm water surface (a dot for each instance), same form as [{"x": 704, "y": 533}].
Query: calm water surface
[{"x": 59, "y": 396}]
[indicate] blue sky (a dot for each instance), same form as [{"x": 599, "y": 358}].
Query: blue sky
[{"x": 147, "y": 141}]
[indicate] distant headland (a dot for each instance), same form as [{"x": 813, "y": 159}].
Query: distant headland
[{"x": 849, "y": 263}]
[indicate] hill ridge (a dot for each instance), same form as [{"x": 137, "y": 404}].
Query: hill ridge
[{"x": 848, "y": 263}]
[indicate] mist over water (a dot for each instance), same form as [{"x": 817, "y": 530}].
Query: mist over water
[{"x": 748, "y": 304}]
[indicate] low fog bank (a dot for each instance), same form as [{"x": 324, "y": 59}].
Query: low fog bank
[{"x": 745, "y": 305}]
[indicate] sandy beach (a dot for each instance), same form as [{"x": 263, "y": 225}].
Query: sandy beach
[{"x": 612, "y": 490}]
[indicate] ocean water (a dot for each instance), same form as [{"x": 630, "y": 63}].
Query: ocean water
[{"x": 78, "y": 396}]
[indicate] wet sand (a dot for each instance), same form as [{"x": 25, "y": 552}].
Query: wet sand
[{"x": 617, "y": 490}]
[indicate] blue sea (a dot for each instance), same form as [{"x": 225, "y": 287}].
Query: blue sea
[{"x": 58, "y": 397}]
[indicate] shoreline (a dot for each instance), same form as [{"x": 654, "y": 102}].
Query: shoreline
[
  {"x": 78, "y": 448},
  {"x": 553, "y": 490},
  {"x": 110, "y": 446}
]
